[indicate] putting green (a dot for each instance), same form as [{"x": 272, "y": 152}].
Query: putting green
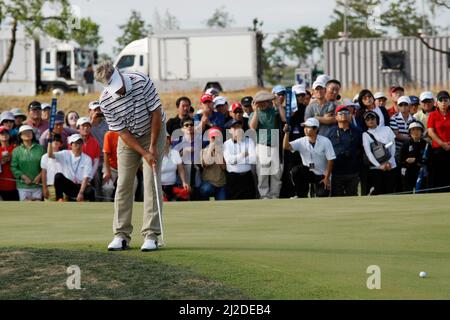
[{"x": 270, "y": 249}]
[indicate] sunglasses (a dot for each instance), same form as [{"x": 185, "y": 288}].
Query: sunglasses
[
  {"x": 186, "y": 125},
  {"x": 238, "y": 111},
  {"x": 403, "y": 105},
  {"x": 343, "y": 113},
  {"x": 427, "y": 101}
]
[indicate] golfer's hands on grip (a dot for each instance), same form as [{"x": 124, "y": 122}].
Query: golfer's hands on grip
[{"x": 151, "y": 156}]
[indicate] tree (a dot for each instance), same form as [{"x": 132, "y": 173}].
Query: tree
[
  {"x": 165, "y": 23},
  {"x": 359, "y": 12},
  {"x": 134, "y": 29},
  {"x": 86, "y": 35},
  {"x": 220, "y": 19},
  {"x": 30, "y": 15}
]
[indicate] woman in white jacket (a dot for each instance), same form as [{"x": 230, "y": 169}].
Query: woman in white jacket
[{"x": 381, "y": 175}]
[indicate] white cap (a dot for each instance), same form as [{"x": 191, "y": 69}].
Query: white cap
[
  {"x": 115, "y": 83},
  {"x": 318, "y": 84},
  {"x": 299, "y": 89},
  {"x": 212, "y": 91},
  {"x": 219, "y": 100},
  {"x": 94, "y": 105},
  {"x": 404, "y": 99},
  {"x": 82, "y": 121},
  {"x": 426, "y": 95},
  {"x": 73, "y": 138},
  {"x": 356, "y": 98},
  {"x": 25, "y": 127},
  {"x": 416, "y": 124},
  {"x": 311, "y": 122},
  {"x": 45, "y": 106},
  {"x": 7, "y": 115},
  {"x": 379, "y": 95},
  {"x": 324, "y": 78}
]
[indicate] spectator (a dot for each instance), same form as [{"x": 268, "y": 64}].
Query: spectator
[
  {"x": 88, "y": 77},
  {"x": 8, "y": 191},
  {"x": 171, "y": 164},
  {"x": 237, "y": 113},
  {"x": 347, "y": 144},
  {"x": 208, "y": 117},
  {"x": 183, "y": 108},
  {"x": 25, "y": 165},
  {"x": 76, "y": 168},
  {"x": 36, "y": 122},
  {"x": 221, "y": 106},
  {"x": 439, "y": 132},
  {"x": 246, "y": 103},
  {"x": 396, "y": 92},
  {"x": 367, "y": 101},
  {"x": 213, "y": 175},
  {"x": 59, "y": 129},
  {"x": 110, "y": 164},
  {"x": 267, "y": 120},
  {"x": 46, "y": 110},
  {"x": 49, "y": 168},
  {"x": 414, "y": 106},
  {"x": 381, "y": 175},
  {"x": 308, "y": 97},
  {"x": 99, "y": 127},
  {"x": 239, "y": 154},
  {"x": 214, "y": 92},
  {"x": 427, "y": 101},
  {"x": 321, "y": 108},
  {"x": 90, "y": 145},
  {"x": 20, "y": 118},
  {"x": 280, "y": 95},
  {"x": 71, "y": 119},
  {"x": 7, "y": 120},
  {"x": 318, "y": 155},
  {"x": 380, "y": 101},
  {"x": 412, "y": 156}
]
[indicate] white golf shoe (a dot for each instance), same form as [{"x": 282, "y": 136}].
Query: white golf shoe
[
  {"x": 118, "y": 244},
  {"x": 149, "y": 245}
]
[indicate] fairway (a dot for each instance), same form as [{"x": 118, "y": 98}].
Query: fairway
[{"x": 262, "y": 249}]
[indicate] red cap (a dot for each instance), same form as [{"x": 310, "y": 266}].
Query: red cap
[
  {"x": 214, "y": 132},
  {"x": 206, "y": 98},
  {"x": 235, "y": 106},
  {"x": 2, "y": 128},
  {"x": 395, "y": 88},
  {"x": 342, "y": 107}
]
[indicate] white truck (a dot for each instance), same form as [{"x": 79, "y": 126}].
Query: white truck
[
  {"x": 42, "y": 64},
  {"x": 182, "y": 60}
]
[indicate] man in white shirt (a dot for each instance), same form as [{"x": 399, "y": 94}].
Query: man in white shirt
[
  {"x": 317, "y": 155},
  {"x": 49, "y": 168},
  {"x": 76, "y": 167},
  {"x": 239, "y": 154}
]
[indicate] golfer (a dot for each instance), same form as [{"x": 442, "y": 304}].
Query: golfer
[{"x": 132, "y": 107}]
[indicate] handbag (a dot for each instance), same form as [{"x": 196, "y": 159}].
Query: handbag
[{"x": 379, "y": 150}]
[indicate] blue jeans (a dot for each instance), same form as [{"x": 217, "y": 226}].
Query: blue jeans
[{"x": 207, "y": 190}]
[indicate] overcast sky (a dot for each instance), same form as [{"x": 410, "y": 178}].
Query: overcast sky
[{"x": 277, "y": 15}]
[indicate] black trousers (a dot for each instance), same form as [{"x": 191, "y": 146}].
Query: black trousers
[
  {"x": 305, "y": 181},
  {"x": 67, "y": 187},
  {"x": 344, "y": 185},
  {"x": 382, "y": 181},
  {"x": 240, "y": 186},
  {"x": 440, "y": 169},
  {"x": 10, "y": 195}
]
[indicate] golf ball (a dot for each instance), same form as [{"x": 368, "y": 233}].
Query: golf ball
[{"x": 422, "y": 274}]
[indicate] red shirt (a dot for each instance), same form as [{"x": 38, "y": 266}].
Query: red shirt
[
  {"x": 7, "y": 179},
  {"x": 110, "y": 146},
  {"x": 441, "y": 125},
  {"x": 392, "y": 110}
]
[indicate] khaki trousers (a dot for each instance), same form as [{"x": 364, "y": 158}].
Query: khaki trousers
[{"x": 128, "y": 161}]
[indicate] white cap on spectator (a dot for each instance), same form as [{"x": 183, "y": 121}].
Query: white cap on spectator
[
  {"x": 7, "y": 115},
  {"x": 94, "y": 105},
  {"x": 379, "y": 95},
  {"x": 25, "y": 127},
  {"x": 212, "y": 91},
  {"x": 311, "y": 122},
  {"x": 219, "y": 100},
  {"x": 318, "y": 84},
  {"x": 416, "y": 124},
  {"x": 45, "y": 106},
  {"x": 356, "y": 98},
  {"x": 323, "y": 78},
  {"x": 426, "y": 95},
  {"x": 74, "y": 138},
  {"x": 299, "y": 89},
  {"x": 404, "y": 99},
  {"x": 82, "y": 121}
]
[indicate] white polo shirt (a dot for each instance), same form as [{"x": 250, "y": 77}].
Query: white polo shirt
[
  {"x": 319, "y": 154},
  {"x": 52, "y": 166},
  {"x": 169, "y": 168},
  {"x": 233, "y": 155},
  {"x": 74, "y": 168}
]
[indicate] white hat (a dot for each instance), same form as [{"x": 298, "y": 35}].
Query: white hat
[
  {"x": 356, "y": 98},
  {"x": 323, "y": 78},
  {"x": 45, "y": 106},
  {"x": 426, "y": 95},
  {"x": 404, "y": 99},
  {"x": 311, "y": 122},
  {"x": 25, "y": 127},
  {"x": 115, "y": 83},
  {"x": 416, "y": 124},
  {"x": 82, "y": 121},
  {"x": 379, "y": 95},
  {"x": 7, "y": 115},
  {"x": 18, "y": 113},
  {"x": 318, "y": 84},
  {"x": 73, "y": 138},
  {"x": 212, "y": 91},
  {"x": 94, "y": 105},
  {"x": 219, "y": 100},
  {"x": 299, "y": 89}
]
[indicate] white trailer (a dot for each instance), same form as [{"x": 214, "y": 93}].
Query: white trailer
[
  {"x": 196, "y": 59},
  {"x": 43, "y": 63}
]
